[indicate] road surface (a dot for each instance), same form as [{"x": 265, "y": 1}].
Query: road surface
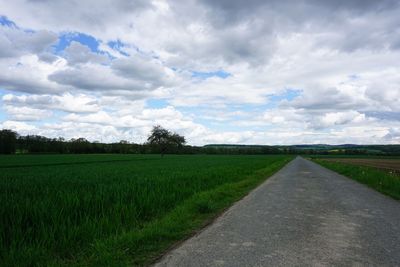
[{"x": 304, "y": 215}]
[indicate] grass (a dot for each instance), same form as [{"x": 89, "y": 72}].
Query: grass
[
  {"x": 114, "y": 210},
  {"x": 380, "y": 180}
]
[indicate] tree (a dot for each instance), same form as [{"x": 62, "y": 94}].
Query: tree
[
  {"x": 80, "y": 145},
  {"x": 177, "y": 140},
  {"x": 8, "y": 139},
  {"x": 165, "y": 141}
]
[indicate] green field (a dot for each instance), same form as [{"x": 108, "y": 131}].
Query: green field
[{"x": 114, "y": 210}]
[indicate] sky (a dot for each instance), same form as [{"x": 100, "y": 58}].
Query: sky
[{"x": 216, "y": 71}]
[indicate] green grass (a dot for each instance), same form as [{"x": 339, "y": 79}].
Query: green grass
[
  {"x": 114, "y": 210},
  {"x": 380, "y": 180}
]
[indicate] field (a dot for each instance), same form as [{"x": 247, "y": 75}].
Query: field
[
  {"x": 380, "y": 174},
  {"x": 114, "y": 210},
  {"x": 391, "y": 165}
]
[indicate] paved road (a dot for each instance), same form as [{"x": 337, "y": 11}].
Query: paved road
[{"x": 305, "y": 215}]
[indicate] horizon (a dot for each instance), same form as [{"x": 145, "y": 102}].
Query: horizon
[
  {"x": 273, "y": 73},
  {"x": 216, "y": 144}
]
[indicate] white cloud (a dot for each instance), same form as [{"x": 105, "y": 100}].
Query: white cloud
[
  {"x": 29, "y": 74},
  {"x": 26, "y": 114},
  {"x": 344, "y": 67},
  {"x": 67, "y": 102},
  {"x": 19, "y": 126}
]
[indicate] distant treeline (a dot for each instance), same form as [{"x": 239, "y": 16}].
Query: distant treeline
[
  {"x": 39, "y": 144},
  {"x": 11, "y": 143},
  {"x": 346, "y": 149}
]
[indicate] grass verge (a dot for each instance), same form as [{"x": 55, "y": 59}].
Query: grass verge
[{"x": 382, "y": 181}]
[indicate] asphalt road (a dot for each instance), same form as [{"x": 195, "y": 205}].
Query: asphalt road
[{"x": 304, "y": 215}]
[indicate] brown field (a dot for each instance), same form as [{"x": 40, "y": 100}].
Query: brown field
[{"x": 392, "y": 165}]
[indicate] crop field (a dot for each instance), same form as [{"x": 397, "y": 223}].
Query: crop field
[
  {"x": 114, "y": 210},
  {"x": 391, "y": 165},
  {"x": 380, "y": 174}
]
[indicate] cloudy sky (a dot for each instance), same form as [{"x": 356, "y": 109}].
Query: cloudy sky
[{"x": 216, "y": 71}]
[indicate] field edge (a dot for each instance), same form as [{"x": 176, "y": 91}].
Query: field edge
[{"x": 377, "y": 179}]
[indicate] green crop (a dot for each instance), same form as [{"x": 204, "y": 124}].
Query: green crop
[{"x": 114, "y": 210}]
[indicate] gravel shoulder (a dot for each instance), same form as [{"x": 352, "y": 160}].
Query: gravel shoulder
[{"x": 303, "y": 215}]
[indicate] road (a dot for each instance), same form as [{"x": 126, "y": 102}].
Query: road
[{"x": 304, "y": 215}]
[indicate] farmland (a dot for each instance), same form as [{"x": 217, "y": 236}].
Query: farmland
[
  {"x": 391, "y": 165},
  {"x": 380, "y": 174},
  {"x": 114, "y": 210}
]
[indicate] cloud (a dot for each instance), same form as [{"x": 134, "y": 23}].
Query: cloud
[
  {"x": 93, "y": 77},
  {"x": 124, "y": 74},
  {"x": 26, "y": 114},
  {"x": 324, "y": 99},
  {"x": 77, "y": 53},
  {"x": 16, "y": 42},
  {"x": 338, "y": 118},
  {"x": 150, "y": 72},
  {"x": 19, "y": 126},
  {"x": 69, "y": 103},
  {"x": 393, "y": 135},
  {"x": 340, "y": 56},
  {"x": 29, "y": 74},
  {"x": 87, "y": 15}
]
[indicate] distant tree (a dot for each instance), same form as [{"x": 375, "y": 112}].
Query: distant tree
[
  {"x": 8, "y": 139},
  {"x": 80, "y": 145},
  {"x": 165, "y": 141},
  {"x": 122, "y": 147}
]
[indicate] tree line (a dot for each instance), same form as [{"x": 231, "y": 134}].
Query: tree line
[
  {"x": 159, "y": 141},
  {"x": 162, "y": 141}
]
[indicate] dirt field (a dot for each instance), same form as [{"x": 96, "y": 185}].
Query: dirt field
[{"x": 384, "y": 164}]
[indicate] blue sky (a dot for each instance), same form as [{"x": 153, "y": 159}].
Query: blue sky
[
  {"x": 204, "y": 75},
  {"x": 65, "y": 39},
  {"x": 254, "y": 75},
  {"x": 4, "y": 21}
]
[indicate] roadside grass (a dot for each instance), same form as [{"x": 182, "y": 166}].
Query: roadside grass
[
  {"x": 119, "y": 213},
  {"x": 383, "y": 181}
]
